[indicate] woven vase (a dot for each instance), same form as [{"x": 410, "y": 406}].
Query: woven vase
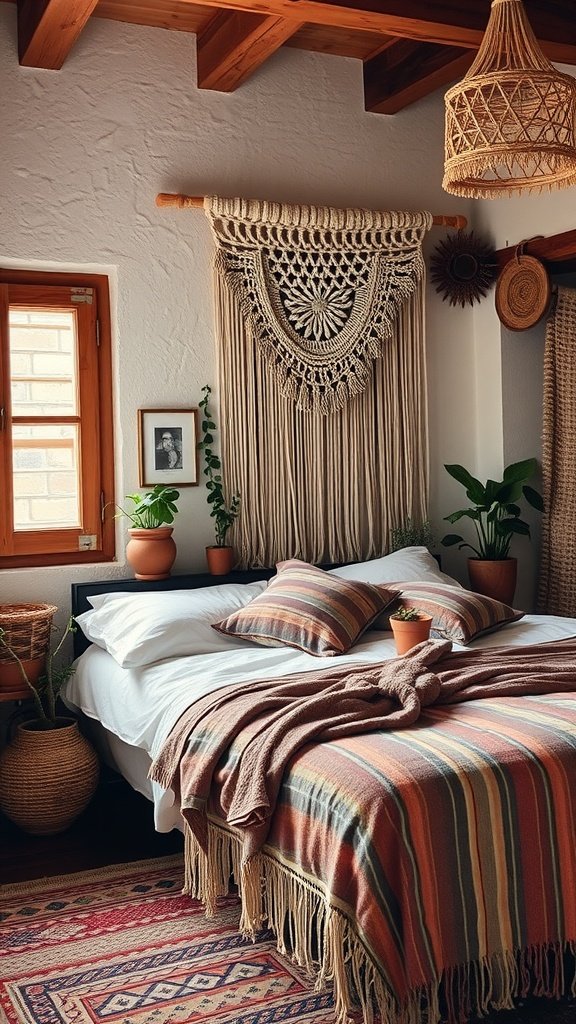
[{"x": 47, "y": 777}]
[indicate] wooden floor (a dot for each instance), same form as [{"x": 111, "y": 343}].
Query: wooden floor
[{"x": 117, "y": 826}]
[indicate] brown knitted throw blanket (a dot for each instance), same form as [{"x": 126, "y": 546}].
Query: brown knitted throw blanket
[{"x": 281, "y": 716}]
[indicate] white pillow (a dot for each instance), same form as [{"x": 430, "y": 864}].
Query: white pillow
[
  {"x": 405, "y": 565},
  {"x": 139, "y": 629}
]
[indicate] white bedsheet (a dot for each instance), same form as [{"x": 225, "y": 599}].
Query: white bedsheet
[{"x": 140, "y": 706}]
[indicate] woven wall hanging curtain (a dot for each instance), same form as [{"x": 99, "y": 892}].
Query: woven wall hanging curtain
[
  {"x": 320, "y": 327},
  {"x": 557, "y": 585}
]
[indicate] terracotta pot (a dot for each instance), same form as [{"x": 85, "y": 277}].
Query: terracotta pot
[
  {"x": 220, "y": 559},
  {"x": 151, "y": 553},
  {"x": 12, "y": 686},
  {"x": 408, "y": 634},
  {"x": 495, "y": 579},
  {"x": 47, "y": 776}
]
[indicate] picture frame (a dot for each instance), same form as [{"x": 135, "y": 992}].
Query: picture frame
[{"x": 167, "y": 447}]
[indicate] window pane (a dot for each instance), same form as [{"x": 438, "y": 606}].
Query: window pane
[
  {"x": 43, "y": 362},
  {"x": 46, "y": 479}
]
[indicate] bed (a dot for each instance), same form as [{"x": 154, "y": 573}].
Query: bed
[{"x": 427, "y": 871}]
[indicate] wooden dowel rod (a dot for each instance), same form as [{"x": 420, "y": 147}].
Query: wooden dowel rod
[{"x": 171, "y": 199}]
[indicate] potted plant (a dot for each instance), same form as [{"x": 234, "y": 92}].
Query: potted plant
[
  {"x": 220, "y": 556},
  {"x": 410, "y": 626},
  {"x": 151, "y": 549},
  {"x": 496, "y": 518},
  {"x": 49, "y": 771}
]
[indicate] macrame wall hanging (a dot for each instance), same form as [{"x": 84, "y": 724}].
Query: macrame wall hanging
[{"x": 319, "y": 317}]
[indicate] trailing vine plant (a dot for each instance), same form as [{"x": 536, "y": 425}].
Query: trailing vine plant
[{"x": 223, "y": 513}]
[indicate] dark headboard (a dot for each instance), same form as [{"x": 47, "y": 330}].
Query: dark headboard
[{"x": 82, "y": 591}]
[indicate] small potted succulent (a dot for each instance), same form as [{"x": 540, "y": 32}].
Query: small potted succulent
[
  {"x": 219, "y": 556},
  {"x": 410, "y": 626},
  {"x": 151, "y": 549}
]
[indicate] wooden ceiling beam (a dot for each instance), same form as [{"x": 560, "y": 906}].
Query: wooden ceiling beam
[
  {"x": 449, "y": 23},
  {"x": 234, "y": 45},
  {"x": 422, "y": 23},
  {"x": 48, "y": 29},
  {"x": 407, "y": 71}
]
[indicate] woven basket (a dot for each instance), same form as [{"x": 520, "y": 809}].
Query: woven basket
[
  {"x": 26, "y": 629},
  {"x": 523, "y": 293},
  {"x": 27, "y": 633},
  {"x": 47, "y": 777}
]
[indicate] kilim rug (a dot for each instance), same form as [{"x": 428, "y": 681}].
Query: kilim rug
[{"x": 122, "y": 945}]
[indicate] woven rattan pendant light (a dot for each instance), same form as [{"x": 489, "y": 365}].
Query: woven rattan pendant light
[{"x": 510, "y": 123}]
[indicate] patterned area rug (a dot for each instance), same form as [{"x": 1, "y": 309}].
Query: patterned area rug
[{"x": 121, "y": 945}]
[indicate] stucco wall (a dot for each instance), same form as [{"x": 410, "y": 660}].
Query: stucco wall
[{"x": 84, "y": 152}]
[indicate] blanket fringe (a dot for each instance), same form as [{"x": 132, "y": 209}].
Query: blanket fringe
[{"x": 320, "y": 939}]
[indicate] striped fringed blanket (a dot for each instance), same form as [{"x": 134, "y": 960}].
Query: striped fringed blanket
[{"x": 418, "y": 855}]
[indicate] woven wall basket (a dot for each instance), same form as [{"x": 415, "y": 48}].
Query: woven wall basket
[{"x": 523, "y": 292}]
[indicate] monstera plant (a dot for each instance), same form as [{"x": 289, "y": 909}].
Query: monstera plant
[{"x": 496, "y": 517}]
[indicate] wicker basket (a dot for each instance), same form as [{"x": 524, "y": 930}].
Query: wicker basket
[
  {"x": 47, "y": 777},
  {"x": 26, "y": 629},
  {"x": 27, "y": 633}
]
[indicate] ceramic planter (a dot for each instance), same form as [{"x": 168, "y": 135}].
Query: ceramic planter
[
  {"x": 220, "y": 559},
  {"x": 407, "y": 634},
  {"x": 495, "y": 579},
  {"x": 151, "y": 553}
]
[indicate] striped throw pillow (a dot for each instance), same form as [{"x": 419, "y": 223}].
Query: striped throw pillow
[
  {"x": 309, "y": 609},
  {"x": 457, "y": 614}
]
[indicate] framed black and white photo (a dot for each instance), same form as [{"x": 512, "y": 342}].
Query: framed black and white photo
[{"x": 167, "y": 452}]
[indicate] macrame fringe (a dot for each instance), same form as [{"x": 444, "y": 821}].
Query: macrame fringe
[
  {"x": 474, "y": 168},
  {"x": 304, "y": 385},
  {"x": 319, "y": 288},
  {"x": 320, "y": 939},
  {"x": 344, "y": 511}
]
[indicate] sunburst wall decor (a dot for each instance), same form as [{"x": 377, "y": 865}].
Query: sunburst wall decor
[{"x": 463, "y": 268}]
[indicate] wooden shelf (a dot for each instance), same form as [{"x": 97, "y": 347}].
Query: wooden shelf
[{"x": 559, "y": 250}]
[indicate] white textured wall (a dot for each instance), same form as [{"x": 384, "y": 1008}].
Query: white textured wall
[
  {"x": 509, "y": 364},
  {"x": 84, "y": 152}
]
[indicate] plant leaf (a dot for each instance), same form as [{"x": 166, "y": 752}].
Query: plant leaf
[
  {"x": 516, "y": 472},
  {"x": 533, "y": 498},
  {"x": 450, "y": 539},
  {"x": 474, "y": 489}
]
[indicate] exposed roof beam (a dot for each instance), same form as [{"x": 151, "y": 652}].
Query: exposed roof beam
[
  {"x": 234, "y": 45},
  {"x": 407, "y": 71},
  {"x": 48, "y": 29},
  {"x": 558, "y": 249},
  {"x": 450, "y": 24}
]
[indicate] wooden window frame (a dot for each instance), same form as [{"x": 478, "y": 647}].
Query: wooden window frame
[{"x": 60, "y": 547}]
